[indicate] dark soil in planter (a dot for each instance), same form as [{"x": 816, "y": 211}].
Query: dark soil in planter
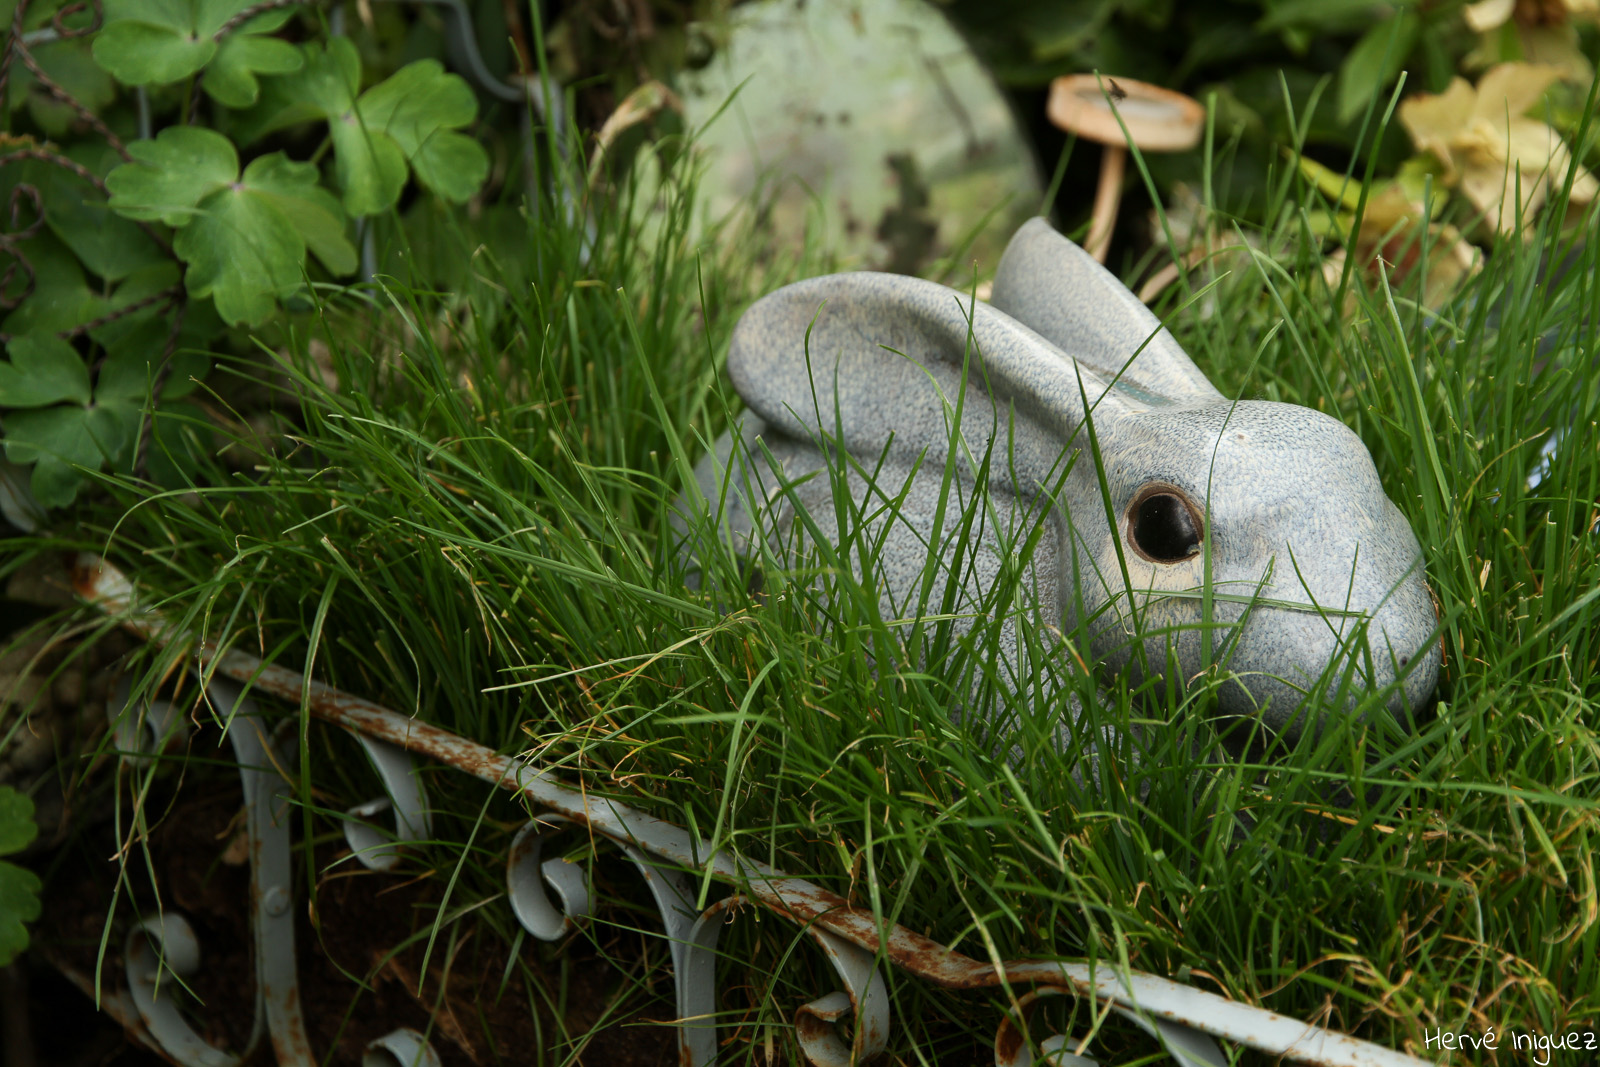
[{"x": 353, "y": 984}]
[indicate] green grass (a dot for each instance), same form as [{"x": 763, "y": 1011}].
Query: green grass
[{"x": 474, "y": 527}]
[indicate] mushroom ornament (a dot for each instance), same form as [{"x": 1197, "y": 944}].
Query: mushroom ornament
[
  {"x": 1118, "y": 112},
  {"x": 1250, "y": 537}
]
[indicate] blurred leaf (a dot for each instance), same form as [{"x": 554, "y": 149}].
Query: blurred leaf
[
  {"x": 1342, "y": 190},
  {"x": 1375, "y": 61},
  {"x": 1057, "y": 30},
  {"x": 17, "y": 829},
  {"x": 242, "y": 251},
  {"x": 421, "y": 106},
  {"x": 19, "y": 888},
  {"x": 171, "y": 174},
  {"x": 1321, "y": 15},
  {"x": 158, "y": 42},
  {"x": 59, "y": 439},
  {"x": 61, "y": 296},
  {"x": 179, "y": 439},
  {"x": 84, "y": 434},
  {"x": 69, "y": 65},
  {"x": 132, "y": 365},
  {"x": 231, "y": 78},
  {"x": 410, "y": 118},
  {"x": 1487, "y": 145},
  {"x": 44, "y": 369},
  {"x": 110, "y": 245}
]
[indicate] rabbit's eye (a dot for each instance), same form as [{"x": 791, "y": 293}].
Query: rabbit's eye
[{"x": 1163, "y": 525}]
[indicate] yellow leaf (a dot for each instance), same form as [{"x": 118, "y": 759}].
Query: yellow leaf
[
  {"x": 1489, "y": 147},
  {"x": 1331, "y": 183},
  {"x": 1433, "y": 119},
  {"x": 1388, "y": 207},
  {"x": 1488, "y": 14},
  {"x": 1489, "y": 186},
  {"x": 1511, "y": 89},
  {"x": 1557, "y": 46}
]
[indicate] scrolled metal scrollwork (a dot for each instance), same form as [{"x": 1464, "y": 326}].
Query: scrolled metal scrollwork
[
  {"x": 144, "y": 732},
  {"x": 158, "y": 954},
  {"x": 526, "y": 878},
  {"x": 1012, "y": 1047},
  {"x": 400, "y": 1048},
  {"x": 268, "y": 802},
  {"x": 167, "y": 943},
  {"x": 864, "y": 1003},
  {"x": 405, "y": 797}
]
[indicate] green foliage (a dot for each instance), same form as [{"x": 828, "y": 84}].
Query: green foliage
[
  {"x": 243, "y": 238},
  {"x": 143, "y": 256},
  {"x": 158, "y": 43},
  {"x": 19, "y": 887},
  {"x": 412, "y": 117}
]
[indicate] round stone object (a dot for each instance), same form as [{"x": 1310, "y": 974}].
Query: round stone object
[{"x": 868, "y": 122}]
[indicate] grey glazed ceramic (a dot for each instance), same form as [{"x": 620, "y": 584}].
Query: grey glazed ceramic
[{"x": 1306, "y": 551}]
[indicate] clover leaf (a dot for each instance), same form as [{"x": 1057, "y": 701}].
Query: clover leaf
[
  {"x": 61, "y": 298},
  {"x": 19, "y": 887},
  {"x": 172, "y": 174},
  {"x": 44, "y": 369},
  {"x": 244, "y": 237},
  {"x": 421, "y": 106},
  {"x": 60, "y": 428},
  {"x": 411, "y": 117},
  {"x": 157, "y": 42},
  {"x": 109, "y": 245},
  {"x": 57, "y": 440}
]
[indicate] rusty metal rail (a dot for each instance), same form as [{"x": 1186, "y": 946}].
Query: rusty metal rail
[{"x": 1184, "y": 1019}]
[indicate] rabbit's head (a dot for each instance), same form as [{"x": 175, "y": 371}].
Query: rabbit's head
[
  {"x": 1315, "y": 577},
  {"x": 1249, "y": 539}
]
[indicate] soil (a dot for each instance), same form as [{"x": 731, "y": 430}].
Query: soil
[{"x": 352, "y": 989}]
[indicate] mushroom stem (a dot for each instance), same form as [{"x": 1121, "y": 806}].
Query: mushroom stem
[{"x": 1106, "y": 198}]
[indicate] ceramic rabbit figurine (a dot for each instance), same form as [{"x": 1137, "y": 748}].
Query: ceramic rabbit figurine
[{"x": 1306, "y": 553}]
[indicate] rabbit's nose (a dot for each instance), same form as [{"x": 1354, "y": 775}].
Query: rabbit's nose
[{"x": 1291, "y": 666}]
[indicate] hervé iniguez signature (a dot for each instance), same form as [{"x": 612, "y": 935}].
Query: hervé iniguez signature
[{"x": 1543, "y": 1047}]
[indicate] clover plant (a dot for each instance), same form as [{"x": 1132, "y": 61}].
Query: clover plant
[{"x": 152, "y": 205}]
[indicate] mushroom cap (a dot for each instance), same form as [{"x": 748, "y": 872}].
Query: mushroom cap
[{"x": 1158, "y": 120}]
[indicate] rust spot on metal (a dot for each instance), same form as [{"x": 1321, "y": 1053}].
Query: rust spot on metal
[
  {"x": 1008, "y": 1042},
  {"x": 292, "y": 1047}
]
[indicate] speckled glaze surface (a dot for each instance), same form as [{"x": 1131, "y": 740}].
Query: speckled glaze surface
[{"x": 1310, "y": 561}]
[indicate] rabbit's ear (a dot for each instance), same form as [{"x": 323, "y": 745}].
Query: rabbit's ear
[
  {"x": 1058, "y": 289},
  {"x": 869, "y": 358}
]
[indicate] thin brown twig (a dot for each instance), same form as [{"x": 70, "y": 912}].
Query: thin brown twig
[
  {"x": 44, "y": 155},
  {"x": 192, "y": 112},
  {"x": 15, "y": 236},
  {"x": 251, "y": 12},
  {"x": 63, "y": 33},
  {"x": 18, "y": 262},
  {"x": 23, "y": 191},
  {"x": 13, "y": 40},
  {"x": 67, "y": 98},
  {"x": 169, "y": 294}
]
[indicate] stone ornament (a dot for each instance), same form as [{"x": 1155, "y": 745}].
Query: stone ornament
[{"x": 1309, "y": 563}]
